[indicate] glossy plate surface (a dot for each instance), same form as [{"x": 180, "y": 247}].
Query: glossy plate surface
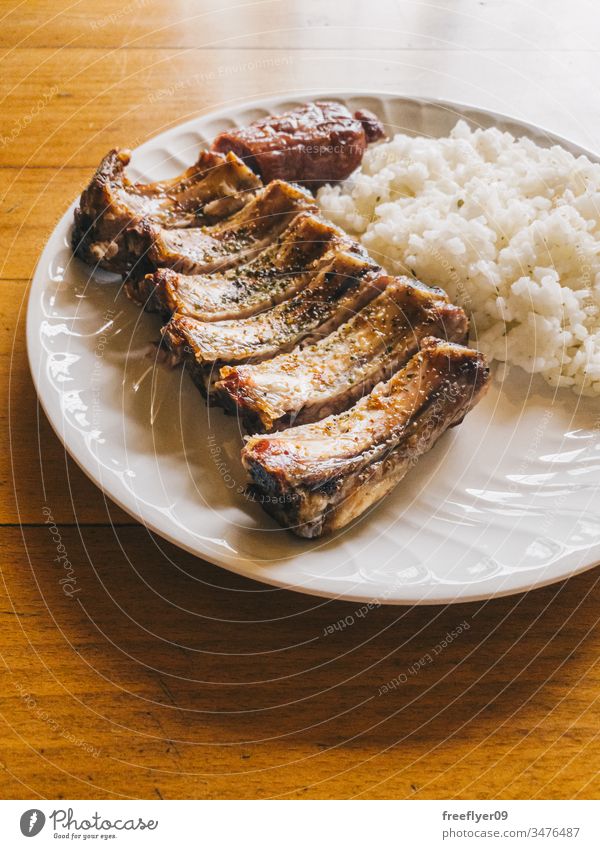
[{"x": 507, "y": 502}]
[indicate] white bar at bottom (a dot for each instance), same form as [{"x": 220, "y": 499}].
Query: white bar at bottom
[{"x": 305, "y": 824}]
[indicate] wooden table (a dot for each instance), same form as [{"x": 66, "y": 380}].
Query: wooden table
[{"x": 164, "y": 682}]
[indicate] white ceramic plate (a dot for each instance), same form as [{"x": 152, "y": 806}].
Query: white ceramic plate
[{"x": 506, "y": 502}]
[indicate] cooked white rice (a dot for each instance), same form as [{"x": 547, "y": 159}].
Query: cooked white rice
[{"x": 510, "y": 230}]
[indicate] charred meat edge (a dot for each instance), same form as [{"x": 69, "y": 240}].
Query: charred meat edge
[
  {"x": 214, "y": 187},
  {"x": 317, "y": 478},
  {"x": 330, "y": 375},
  {"x": 204, "y": 250},
  {"x": 274, "y": 275},
  {"x": 346, "y": 283},
  {"x": 316, "y": 143}
]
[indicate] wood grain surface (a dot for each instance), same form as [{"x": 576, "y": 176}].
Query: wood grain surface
[{"x": 153, "y": 674}]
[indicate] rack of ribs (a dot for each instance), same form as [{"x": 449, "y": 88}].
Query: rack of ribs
[
  {"x": 237, "y": 239},
  {"x": 344, "y": 285},
  {"x": 317, "y": 143},
  {"x": 328, "y": 376},
  {"x": 274, "y": 275},
  {"x": 213, "y": 188},
  {"x": 316, "y": 478},
  {"x": 344, "y": 374}
]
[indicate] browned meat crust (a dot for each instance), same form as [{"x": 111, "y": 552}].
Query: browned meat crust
[
  {"x": 328, "y": 376},
  {"x": 213, "y": 188},
  {"x": 231, "y": 242},
  {"x": 316, "y": 478},
  {"x": 342, "y": 286},
  {"x": 274, "y": 275},
  {"x": 314, "y": 144}
]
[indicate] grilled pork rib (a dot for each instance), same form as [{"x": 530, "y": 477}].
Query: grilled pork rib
[
  {"x": 314, "y": 144},
  {"x": 203, "y": 250},
  {"x": 274, "y": 275},
  {"x": 316, "y": 478},
  {"x": 345, "y": 284},
  {"x": 328, "y": 376},
  {"x": 214, "y": 187}
]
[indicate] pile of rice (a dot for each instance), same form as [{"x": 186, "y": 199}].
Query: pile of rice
[{"x": 509, "y": 229}]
